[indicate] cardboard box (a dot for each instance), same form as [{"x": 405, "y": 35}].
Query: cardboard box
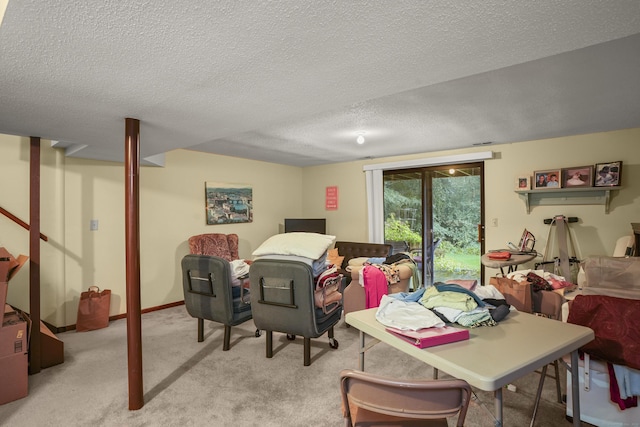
[
  {"x": 14, "y": 341},
  {"x": 9, "y": 266},
  {"x": 13, "y": 334},
  {"x": 52, "y": 349},
  {"x": 13, "y": 377}
]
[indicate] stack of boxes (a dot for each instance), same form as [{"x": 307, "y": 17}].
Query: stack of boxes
[{"x": 14, "y": 336}]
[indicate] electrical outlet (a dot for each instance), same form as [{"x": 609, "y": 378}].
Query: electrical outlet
[{"x": 93, "y": 224}]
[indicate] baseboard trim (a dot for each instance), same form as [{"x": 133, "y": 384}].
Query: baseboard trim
[{"x": 117, "y": 316}]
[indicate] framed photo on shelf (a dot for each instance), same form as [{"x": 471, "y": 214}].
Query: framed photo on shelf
[
  {"x": 608, "y": 174},
  {"x": 549, "y": 179},
  {"x": 523, "y": 183},
  {"x": 579, "y": 176}
]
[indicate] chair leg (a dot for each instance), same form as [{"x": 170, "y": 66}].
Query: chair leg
[
  {"x": 200, "y": 330},
  {"x": 543, "y": 374},
  {"x": 558, "y": 387},
  {"x": 227, "y": 338},
  {"x": 307, "y": 351},
  {"x": 269, "y": 344}
]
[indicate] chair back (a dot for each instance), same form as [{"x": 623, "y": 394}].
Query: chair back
[
  {"x": 207, "y": 292},
  {"x": 374, "y": 398},
  {"x": 282, "y": 297},
  {"x": 221, "y": 245}
]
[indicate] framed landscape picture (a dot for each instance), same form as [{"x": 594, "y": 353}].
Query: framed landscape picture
[
  {"x": 228, "y": 203},
  {"x": 549, "y": 179},
  {"x": 608, "y": 174},
  {"x": 579, "y": 176}
]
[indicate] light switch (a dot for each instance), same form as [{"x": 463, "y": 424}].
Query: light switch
[
  {"x": 494, "y": 222},
  {"x": 93, "y": 225}
]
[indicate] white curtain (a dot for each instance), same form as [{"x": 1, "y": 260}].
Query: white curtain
[
  {"x": 375, "y": 205},
  {"x": 375, "y": 185}
]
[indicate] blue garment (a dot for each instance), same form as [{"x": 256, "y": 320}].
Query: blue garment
[
  {"x": 453, "y": 287},
  {"x": 409, "y": 296}
]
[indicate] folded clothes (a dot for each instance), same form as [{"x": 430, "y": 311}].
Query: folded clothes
[{"x": 502, "y": 255}]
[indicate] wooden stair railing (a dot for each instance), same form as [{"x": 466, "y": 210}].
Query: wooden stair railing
[{"x": 20, "y": 222}]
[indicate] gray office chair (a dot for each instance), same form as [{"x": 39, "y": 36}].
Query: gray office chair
[
  {"x": 282, "y": 300},
  {"x": 208, "y": 294},
  {"x": 373, "y": 400}
]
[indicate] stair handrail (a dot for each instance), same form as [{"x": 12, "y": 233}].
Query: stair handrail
[{"x": 20, "y": 222}]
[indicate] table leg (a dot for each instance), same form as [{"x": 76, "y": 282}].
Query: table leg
[
  {"x": 498, "y": 407},
  {"x": 575, "y": 387},
  {"x": 362, "y": 350}
]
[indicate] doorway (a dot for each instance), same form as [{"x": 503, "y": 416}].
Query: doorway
[{"x": 437, "y": 214}]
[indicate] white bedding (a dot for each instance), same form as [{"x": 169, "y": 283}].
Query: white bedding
[
  {"x": 308, "y": 245},
  {"x": 317, "y": 265}
]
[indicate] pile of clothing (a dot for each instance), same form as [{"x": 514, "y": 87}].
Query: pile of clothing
[
  {"x": 378, "y": 273},
  {"x": 466, "y": 304}
]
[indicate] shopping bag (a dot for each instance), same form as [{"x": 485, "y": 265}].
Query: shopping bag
[
  {"x": 93, "y": 309},
  {"x": 517, "y": 294}
]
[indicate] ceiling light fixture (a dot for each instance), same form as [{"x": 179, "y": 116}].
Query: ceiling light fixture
[{"x": 360, "y": 138}]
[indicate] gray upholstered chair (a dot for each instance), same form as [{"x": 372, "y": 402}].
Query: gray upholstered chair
[
  {"x": 282, "y": 300},
  {"x": 208, "y": 294},
  {"x": 374, "y": 400}
]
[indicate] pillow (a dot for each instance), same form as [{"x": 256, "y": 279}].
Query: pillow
[
  {"x": 358, "y": 261},
  {"x": 308, "y": 245},
  {"x": 334, "y": 258}
]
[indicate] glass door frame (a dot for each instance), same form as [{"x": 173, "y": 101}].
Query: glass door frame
[{"x": 426, "y": 176}]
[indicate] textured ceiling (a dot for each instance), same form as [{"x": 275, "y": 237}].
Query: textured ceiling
[{"x": 294, "y": 82}]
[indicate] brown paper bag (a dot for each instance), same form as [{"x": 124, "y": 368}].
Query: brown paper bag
[
  {"x": 93, "y": 309},
  {"x": 517, "y": 294}
]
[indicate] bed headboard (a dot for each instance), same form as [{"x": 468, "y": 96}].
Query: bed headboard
[{"x": 310, "y": 225}]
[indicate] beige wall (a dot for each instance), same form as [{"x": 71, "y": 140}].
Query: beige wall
[
  {"x": 74, "y": 191},
  {"x": 596, "y": 233},
  {"x": 14, "y": 197}
]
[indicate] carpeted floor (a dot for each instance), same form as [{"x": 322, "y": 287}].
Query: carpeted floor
[{"x": 187, "y": 383}]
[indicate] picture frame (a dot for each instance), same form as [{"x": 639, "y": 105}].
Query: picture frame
[
  {"x": 547, "y": 179},
  {"x": 608, "y": 174},
  {"x": 523, "y": 183},
  {"x": 227, "y": 203},
  {"x": 577, "y": 176}
]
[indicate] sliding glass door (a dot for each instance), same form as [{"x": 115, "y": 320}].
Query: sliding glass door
[{"x": 436, "y": 214}]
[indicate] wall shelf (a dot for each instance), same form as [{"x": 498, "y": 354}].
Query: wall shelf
[{"x": 567, "y": 196}]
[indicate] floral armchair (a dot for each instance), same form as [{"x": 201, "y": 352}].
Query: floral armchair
[{"x": 221, "y": 245}]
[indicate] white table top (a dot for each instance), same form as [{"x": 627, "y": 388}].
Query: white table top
[{"x": 493, "y": 356}]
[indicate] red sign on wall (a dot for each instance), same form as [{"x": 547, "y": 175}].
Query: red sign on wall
[{"x": 331, "y": 198}]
